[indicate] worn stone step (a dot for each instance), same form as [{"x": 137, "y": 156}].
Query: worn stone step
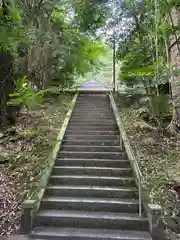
[
  {"x": 92, "y": 124},
  {"x": 93, "y": 121},
  {"x": 92, "y": 111},
  {"x": 90, "y": 204},
  {"x": 92, "y": 106},
  {"x": 92, "y": 191},
  {"x": 95, "y": 110},
  {"x": 55, "y": 233},
  {"x": 93, "y": 115},
  {"x": 98, "y": 121},
  {"x": 93, "y": 132},
  {"x": 93, "y": 99},
  {"x": 80, "y": 148},
  {"x": 91, "y": 103},
  {"x": 86, "y": 219},
  {"x": 101, "y": 127},
  {"x": 92, "y": 118},
  {"x": 92, "y": 162},
  {"x": 94, "y": 171},
  {"x": 92, "y": 142},
  {"x": 90, "y": 137},
  {"x": 92, "y": 180},
  {"x": 93, "y": 155}
]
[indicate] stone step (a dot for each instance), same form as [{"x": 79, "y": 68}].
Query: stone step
[
  {"x": 92, "y": 142},
  {"x": 92, "y": 155},
  {"x": 93, "y": 132},
  {"x": 92, "y": 162},
  {"x": 93, "y": 108},
  {"x": 92, "y": 180},
  {"x": 95, "y": 103},
  {"x": 92, "y": 114},
  {"x": 109, "y": 119},
  {"x": 86, "y": 105},
  {"x": 80, "y": 148},
  {"x": 84, "y": 219},
  {"x": 90, "y": 204},
  {"x": 92, "y": 117},
  {"x": 94, "y": 171},
  {"x": 86, "y": 127},
  {"x": 90, "y": 100},
  {"x": 91, "y": 137},
  {"x": 93, "y": 98},
  {"x": 93, "y": 121},
  {"x": 55, "y": 233},
  {"x": 92, "y": 111},
  {"x": 89, "y": 120},
  {"x": 92, "y": 124},
  {"x": 92, "y": 191}
]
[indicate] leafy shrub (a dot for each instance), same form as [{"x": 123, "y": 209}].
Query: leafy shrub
[{"x": 24, "y": 94}]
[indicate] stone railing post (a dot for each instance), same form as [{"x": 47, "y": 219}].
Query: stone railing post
[
  {"x": 156, "y": 228},
  {"x": 27, "y": 216}
]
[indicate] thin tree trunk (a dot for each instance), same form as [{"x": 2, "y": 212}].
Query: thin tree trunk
[
  {"x": 175, "y": 80},
  {"x": 6, "y": 75},
  {"x": 6, "y": 85}
]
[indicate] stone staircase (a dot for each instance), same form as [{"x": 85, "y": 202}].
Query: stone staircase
[{"x": 91, "y": 193}]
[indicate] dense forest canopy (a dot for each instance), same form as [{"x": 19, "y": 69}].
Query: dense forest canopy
[
  {"x": 50, "y": 43},
  {"x": 147, "y": 35},
  {"x": 46, "y": 43}
]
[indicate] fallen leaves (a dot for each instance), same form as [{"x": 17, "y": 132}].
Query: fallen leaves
[
  {"x": 159, "y": 160},
  {"x": 9, "y": 205},
  {"x": 25, "y": 150}
]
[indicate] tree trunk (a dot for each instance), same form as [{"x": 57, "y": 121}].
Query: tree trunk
[
  {"x": 37, "y": 65},
  {"x": 175, "y": 79},
  {"x": 6, "y": 84}
]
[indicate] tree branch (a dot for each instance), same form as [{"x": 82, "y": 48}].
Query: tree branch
[{"x": 174, "y": 43}]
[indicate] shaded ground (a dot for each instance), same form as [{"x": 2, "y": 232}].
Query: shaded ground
[
  {"x": 159, "y": 161},
  {"x": 25, "y": 149}
]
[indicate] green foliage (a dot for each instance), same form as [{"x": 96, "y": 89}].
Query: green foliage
[
  {"x": 24, "y": 94},
  {"x": 143, "y": 31},
  {"x": 91, "y": 14},
  {"x": 51, "y": 42}
]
